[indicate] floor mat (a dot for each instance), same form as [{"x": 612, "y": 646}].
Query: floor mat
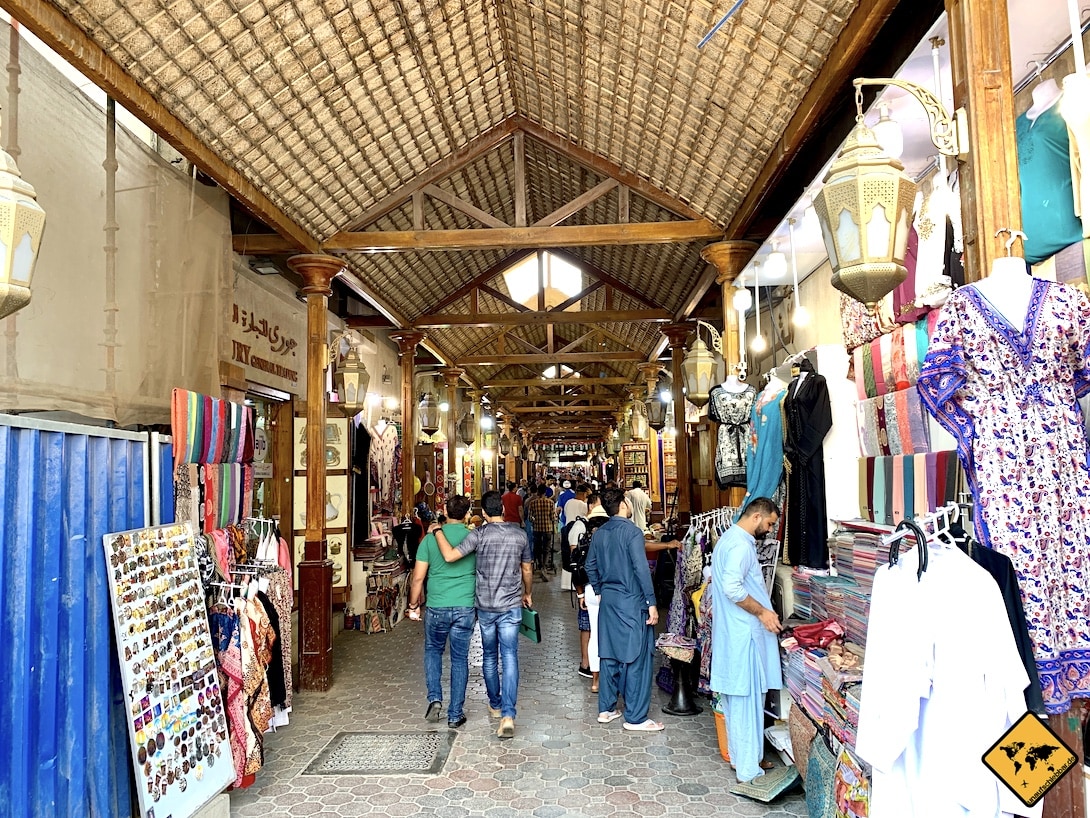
[{"x": 383, "y": 754}]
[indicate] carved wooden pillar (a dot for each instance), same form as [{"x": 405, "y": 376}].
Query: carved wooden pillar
[
  {"x": 729, "y": 258},
  {"x": 980, "y": 59},
  {"x": 406, "y": 341},
  {"x": 316, "y": 571},
  {"x": 475, "y": 397},
  {"x": 678, "y": 334},
  {"x": 451, "y": 376}
]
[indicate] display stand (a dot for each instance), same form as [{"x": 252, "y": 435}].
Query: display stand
[
  {"x": 635, "y": 463},
  {"x": 177, "y": 729},
  {"x": 338, "y": 510}
]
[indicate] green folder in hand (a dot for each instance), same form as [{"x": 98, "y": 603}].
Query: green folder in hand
[{"x": 530, "y": 627}]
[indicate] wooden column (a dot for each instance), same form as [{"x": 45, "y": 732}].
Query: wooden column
[
  {"x": 406, "y": 341},
  {"x": 316, "y": 570},
  {"x": 475, "y": 396},
  {"x": 729, "y": 259},
  {"x": 980, "y": 56},
  {"x": 678, "y": 334},
  {"x": 1068, "y": 799},
  {"x": 650, "y": 371},
  {"x": 451, "y": 376}
]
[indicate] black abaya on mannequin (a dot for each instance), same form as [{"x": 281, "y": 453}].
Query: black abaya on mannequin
[{"x": 809, "y": 418}]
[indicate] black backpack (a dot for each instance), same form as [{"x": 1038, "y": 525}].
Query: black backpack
[{"x": 578, "y": 557}]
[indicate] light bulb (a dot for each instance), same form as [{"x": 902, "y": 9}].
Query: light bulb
[
  {"x": 743, "y": 299},
  {"x": 775, "y": 265},
  {"x": 888, "y": 133},
  {"x": 758, "y": 344},
  {"x": 665, "y": 396},
  {"x": 801, "y": 317},
  {"x": 444, "y": 406}
]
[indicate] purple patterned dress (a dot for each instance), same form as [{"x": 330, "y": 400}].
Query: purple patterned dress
[{"x": 1010, "y": 400}]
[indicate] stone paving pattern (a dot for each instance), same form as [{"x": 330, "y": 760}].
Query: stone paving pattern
[{"x": 561, "y": 762}]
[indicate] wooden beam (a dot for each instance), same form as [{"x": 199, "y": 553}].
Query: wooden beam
[
  {"x": 462, "y": 205},
  {"x": 484, "y": 319},
  {"x": 503, "y": 298},
  {"x": 561, "y": 400},
  {"x": 510, "y": 238},
  {"x": 418, "y": 210},
  {"x": 577, "y": 204},
  {"x": 466, "y": 155},
  {"x": 861, "y": 29},
  {"x": 603, "y": 276},
  {"x": 560, "y": 410},
  {"x": 524, "y": 382},
  {"x": 478, "y": 280},
  {"x": 546, "y": 359},
  {"x": 46, "y": 21},
  {"x": 579, "y": 296},
  {"x": 622, "y": 205},
  {"x": 603, "y": 167},
  {"x": 520, "y": 179},
  {"x": 578, "y": 341}
]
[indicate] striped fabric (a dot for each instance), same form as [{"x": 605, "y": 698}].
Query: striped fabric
[{"x": 210, "y": 430}]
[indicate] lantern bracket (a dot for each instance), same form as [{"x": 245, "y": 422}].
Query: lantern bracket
[
  {"x": 713, "y": 333},
  {"x": 333, "y": 352},
  {"x": 949, "y": 135}
]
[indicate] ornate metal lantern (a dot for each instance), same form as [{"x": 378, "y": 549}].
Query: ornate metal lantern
[
  {"x": 429, "y": 412},
  {"x": 351, "y": 380},
  {"x": 467, "y": 429}
]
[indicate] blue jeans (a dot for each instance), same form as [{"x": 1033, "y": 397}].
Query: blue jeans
[
  {"x": 500, "y": 634},
  {"x": 439, "y": 624}
]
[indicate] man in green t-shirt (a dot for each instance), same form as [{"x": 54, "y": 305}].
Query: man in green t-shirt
[{"x": 450, "y": 613}]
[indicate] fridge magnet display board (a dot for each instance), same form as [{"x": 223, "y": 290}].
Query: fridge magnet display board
[{"x": 177, "y": 730}]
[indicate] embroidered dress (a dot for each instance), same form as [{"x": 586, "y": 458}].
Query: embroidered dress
[
  {"x": 1010, "y": 400},
  {"x": 731, "y": 411},
  {"x": 764, "y": 457}
]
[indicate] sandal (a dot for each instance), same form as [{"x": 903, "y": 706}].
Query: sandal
[
  {"x": 594, "y": 688},
  {"x": 606, "y": 716},
  {"x": 765, "y": 765},
  {"x": 645, "y": 726}
]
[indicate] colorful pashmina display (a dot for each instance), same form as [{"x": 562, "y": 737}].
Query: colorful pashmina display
[{"x": 210, "y": 430}]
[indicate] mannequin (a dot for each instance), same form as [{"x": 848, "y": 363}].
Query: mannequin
[
  {"x": 1008, "y": 289},
  {"x": 1045, "y": 94},
  {"x": 1048, "y": 158},
  {"x": 733, "y": 384}
]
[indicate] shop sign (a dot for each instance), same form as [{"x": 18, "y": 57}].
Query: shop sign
[{"x": 264, "y": 333}]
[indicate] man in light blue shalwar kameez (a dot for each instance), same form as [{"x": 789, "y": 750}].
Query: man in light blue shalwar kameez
[{"x": 745, "y": 656}]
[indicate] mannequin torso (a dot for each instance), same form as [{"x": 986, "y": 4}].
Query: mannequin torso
[
  {"x": 1008, "y": 289},
  {"x": 1045, "y": 94},
  {"x": 732, "y": 384}
]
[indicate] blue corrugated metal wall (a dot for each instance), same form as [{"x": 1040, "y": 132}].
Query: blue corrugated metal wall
[{"x": 63, "y": 740}]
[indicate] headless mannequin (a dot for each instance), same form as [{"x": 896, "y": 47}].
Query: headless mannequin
[
  {"x": 733, "y": 384},
  {"x": 1008, "y": 289},
  {"x": 1045, "y": 94}
]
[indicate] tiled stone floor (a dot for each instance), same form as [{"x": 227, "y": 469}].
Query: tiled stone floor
[{"x": 560, "y": 763}]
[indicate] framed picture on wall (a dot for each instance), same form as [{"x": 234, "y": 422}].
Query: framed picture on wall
[
  {"x": 336, "y": 444},
  {"x": 336, "y": 501}
]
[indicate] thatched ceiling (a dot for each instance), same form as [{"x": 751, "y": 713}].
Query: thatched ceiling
[{"x": 327, "y": 107}]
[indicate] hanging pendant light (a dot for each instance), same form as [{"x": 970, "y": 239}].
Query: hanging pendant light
[
  {"x": 351, "y": 381},
  {"x": 699, "y": 368},
  {"x": 865, "y": 210},
  {"x": 429, "y": 412},
  {"x": 21, "y": 226},
  {"x": 801, "y": 317},
  {"x": 759, "y": 344},
  {"x": 505, "y": 445},
  {"x": 656, "y": 409},
  {"x": 467, "y": 429}
]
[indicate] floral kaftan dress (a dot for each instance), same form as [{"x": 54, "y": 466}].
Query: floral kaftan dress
[{"x": 1009, "y": 398}]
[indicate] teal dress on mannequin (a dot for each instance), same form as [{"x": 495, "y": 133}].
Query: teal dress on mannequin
[
  {"x": 1048, "y": 200},
  {"x": 764, "y": 453}
]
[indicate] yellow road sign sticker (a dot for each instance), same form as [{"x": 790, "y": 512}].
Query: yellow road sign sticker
[{"x": 1029, "y": 759}]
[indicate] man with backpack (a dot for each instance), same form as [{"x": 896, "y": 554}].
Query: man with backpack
[{"x": 579, "y": 533}]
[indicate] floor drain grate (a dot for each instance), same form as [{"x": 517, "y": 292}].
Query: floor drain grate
[{"x": 383, "y": 754}]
